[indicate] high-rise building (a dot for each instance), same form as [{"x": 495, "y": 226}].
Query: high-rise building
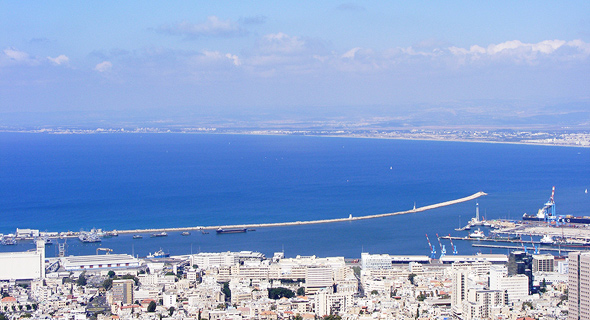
[
  {"x": 520, "y": 262},
  {"x": 123, "y": 291},
  {"x": 579, "y": 286}
]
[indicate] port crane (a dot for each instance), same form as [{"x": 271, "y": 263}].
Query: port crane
[
  {"x": 536, "y": 248},
  {"x": 452, "y": 245},
  {"x": 432, "y": 249},
  {"x": 443, "y": 250}
]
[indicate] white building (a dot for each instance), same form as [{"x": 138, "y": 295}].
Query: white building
[
  {"x": 205, "y": 260},
  {"x": 99, "y": 262},
  {"x": 23, "y": 265}
]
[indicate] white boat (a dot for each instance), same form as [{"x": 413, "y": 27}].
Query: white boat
[
  {"x": 547, "y": 239},
  {"x": 477, "y": 234}
]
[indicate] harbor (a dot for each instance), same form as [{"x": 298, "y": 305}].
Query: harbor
[{"x": 242, "y": 228}]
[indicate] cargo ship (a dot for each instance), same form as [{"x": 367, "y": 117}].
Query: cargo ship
[
  {"x": 547, "y": 213},
  {"x": 222, "y": 231}
]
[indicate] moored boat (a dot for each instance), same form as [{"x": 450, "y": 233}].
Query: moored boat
[
  {"x": 477, "y": 234},
  {"x": 161, "y": 234},
  {"x": 158, "y": 254},
  {"x": 222, "y": 231}
]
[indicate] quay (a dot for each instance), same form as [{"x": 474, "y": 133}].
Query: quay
[
  {"x": 300, "y": 223},
  {"x": 495, "y": 246}
]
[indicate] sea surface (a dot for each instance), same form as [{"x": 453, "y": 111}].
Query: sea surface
[{"x": 128, "y": 181}]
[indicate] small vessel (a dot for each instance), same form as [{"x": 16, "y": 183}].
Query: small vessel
[
  {"x": 158, "y": 254},
  {"x": 89, "y": 237},
  {"x": 221, "y": 231},
  {"x": 547, "y": 239},
  {"x": 204, "y": 232},
  {"x": 478, "y": 234},
  {"x": 161, "y": 234},
  {"x": 8, "y": 241},
  {"x": 137, "y": 236},
  {"x": 186, "y": 233}
]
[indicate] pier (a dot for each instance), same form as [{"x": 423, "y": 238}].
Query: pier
[{"x": 300, "y": 223}]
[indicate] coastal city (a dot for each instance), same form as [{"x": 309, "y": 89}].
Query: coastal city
[
  {"x": 571, "y": 138},
  {"x": 542, "y": 279}
]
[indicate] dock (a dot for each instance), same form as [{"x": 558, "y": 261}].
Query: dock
[{"x": 495, "y": 246}]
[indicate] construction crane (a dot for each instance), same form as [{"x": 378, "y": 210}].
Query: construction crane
[
  {"x": 452, "y": 245},
  {"x": 432, "y": 250},
  {"x": 443, "y": 250},
  {"x": 107, "y": 250}
]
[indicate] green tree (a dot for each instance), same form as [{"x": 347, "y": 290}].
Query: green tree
[
  {"x": 225, "y": 289},
  {"x": 171, "y": 311},
  {"x": 82, "y": 279},
  {"x": 277, "y": 293},
  {"x": 301, "y": 291},
  {"x": 111, "y": 274},
  {"x": 107, "y": 284},
  {"x": 151, "y": 307},
  {"x": 411, "y": 277}
]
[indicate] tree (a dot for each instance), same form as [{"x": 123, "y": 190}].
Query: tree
[
  {"x": 107, "y": 284},
  {"x": 301, "y": 291},
  {"x": 226, "y": 291},
  {"x": 277, "y": 293},
  {"x": 151, "y": 307},
  {"x": 171, "y": 311},
  {"x": 411, "y": 277},
  {"x": 111, "y": 274},
  {"x": 82, "y": 279}
]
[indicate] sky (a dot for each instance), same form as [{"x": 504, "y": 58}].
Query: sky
[{"x": 289, "y": 57}]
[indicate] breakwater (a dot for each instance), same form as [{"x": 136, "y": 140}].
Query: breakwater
[{"x": 297, "y": 223}]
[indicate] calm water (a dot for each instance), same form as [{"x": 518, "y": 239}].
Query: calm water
[{"x": 128, "y": 181}]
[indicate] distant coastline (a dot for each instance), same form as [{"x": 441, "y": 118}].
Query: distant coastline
[{"x": 580, "y": 138}]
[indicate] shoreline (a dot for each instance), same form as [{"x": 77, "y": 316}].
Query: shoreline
[{"x": 348, "y": 136}]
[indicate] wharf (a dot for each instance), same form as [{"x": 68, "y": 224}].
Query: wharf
[{"x": 481, "y": 245}]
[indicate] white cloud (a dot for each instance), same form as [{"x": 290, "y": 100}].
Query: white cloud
[
  {"x": 235, "y": 60},
  {"x": 282, "y": 43},
  {"x": 18, "y": 56},
  {"x": 11, "y": 56},
  {"x": 212, "y": 27},
  {"x": 104, "y": 66},
  {"x": 59, "y": 60}
]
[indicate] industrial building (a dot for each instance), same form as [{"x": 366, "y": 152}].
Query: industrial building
[
  {"x": 26, "y": 265},
  {"x": 99, "y": 262}
]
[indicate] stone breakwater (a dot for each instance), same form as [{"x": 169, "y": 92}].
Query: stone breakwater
[{"x": 297, "y": 223}]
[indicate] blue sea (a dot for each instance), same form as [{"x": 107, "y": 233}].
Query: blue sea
[{"x": 129, "y": 181}]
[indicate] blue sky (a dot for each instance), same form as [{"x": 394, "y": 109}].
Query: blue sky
[{"x": 277, "y": 56}]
